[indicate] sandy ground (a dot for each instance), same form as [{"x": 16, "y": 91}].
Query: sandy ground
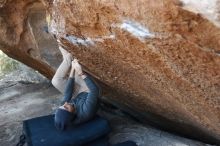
[{"x": 20, "y": 100}]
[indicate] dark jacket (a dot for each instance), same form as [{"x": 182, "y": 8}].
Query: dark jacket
[{"x": 85, "y": 103}]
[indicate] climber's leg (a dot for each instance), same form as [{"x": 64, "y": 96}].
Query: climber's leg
[{"x": 60, "y": 78}]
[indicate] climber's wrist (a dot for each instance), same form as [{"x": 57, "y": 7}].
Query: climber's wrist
[{"x": 83, "y": 75}]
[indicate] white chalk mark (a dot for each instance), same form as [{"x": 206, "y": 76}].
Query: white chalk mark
[
  {"x": 79, "y": 41},
  {"x": 56, "y": 27},
  {"x": 87, "y": 41},
  {"x": 136, "y": 29},
  {"x": 101, "y": 39}
]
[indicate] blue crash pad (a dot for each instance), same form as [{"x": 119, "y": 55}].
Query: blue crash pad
[
  {"x": 103, "y": 141},
  {"x": 42, "y": 132}
]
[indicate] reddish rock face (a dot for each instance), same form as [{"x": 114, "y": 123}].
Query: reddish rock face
[
  {"x": 153, "y": 58},
  {"x": 23, "y": 38}
]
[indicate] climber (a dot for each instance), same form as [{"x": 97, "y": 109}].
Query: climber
[{"x": 80, "y": 101}]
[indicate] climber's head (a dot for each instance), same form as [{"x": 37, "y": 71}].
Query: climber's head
[{"x": 64, "y": 116}]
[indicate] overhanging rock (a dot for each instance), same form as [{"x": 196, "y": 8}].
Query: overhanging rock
[{"x": 152, "y": 57}]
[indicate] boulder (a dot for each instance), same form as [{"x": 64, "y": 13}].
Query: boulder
[
  {"x": 154, "y": 59},
  {"x": 23, "y": 38}
]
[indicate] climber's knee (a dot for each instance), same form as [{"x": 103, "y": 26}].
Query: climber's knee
[
  {"x": 59, "y": 83},
  {"x": 55, "y": 82}
]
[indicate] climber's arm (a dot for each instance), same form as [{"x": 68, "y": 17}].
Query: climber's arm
[{"x": 69, "y": 87}]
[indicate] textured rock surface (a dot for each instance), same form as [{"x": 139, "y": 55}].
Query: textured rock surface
[
  {"x": 154, "y": 57},
  {"x": 160, "y": 58},
  {"x": 23, "y": 38}
]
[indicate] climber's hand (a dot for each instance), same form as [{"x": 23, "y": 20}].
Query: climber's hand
[{"x": 58, "y": 41}]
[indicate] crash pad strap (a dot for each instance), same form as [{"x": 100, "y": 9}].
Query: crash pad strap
[{"x": 22, "y": 140}]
